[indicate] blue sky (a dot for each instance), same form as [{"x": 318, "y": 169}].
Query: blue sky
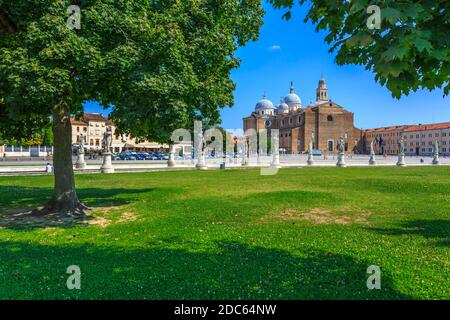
[{"x": 292, "y": 51}]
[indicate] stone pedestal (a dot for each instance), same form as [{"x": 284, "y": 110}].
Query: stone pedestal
[
  {"x": 201, "y": 163},
  {"x": 436, "y": 161},
  {"x": 310, "y": 159},
  {"x": 341, "y": 160},
  {"x": 171, "y": 162},
  {"x": 80, "y": 164},
  {"x": 372, "y": 160},
  {"x": 401, "y": 160},
  {"x": 276, "y": 161},
  {"x": 245, "y": 161},
  {"x": 107, "y": 166}
]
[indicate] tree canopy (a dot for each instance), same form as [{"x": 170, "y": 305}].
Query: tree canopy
[
  {"x": 160, "y": 65},
  {"x": 410, "y": 50}
]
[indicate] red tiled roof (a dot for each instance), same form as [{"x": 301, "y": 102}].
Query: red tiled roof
[
  {"x": 94, "y": 117},
  {"x": 75, "y": 122},
  {"x": 90, "y": 117},
  {"x": 387, "y": 129},
  {"x": 435, "y": 126},
  {"x": 410, "y": 128}
]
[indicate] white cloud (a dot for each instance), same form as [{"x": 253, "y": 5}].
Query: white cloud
[{"x": 274, "y": 48}]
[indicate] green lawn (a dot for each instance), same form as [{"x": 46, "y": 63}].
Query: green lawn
[{"x": 302, "y": 234}]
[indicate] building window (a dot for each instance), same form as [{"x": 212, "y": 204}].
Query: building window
[
  {"x": 97, "y": 142},
  {"x": 330, "y": 118},
  {"x": 91, "y": 142},
  {"x": 78, "y": 129}
]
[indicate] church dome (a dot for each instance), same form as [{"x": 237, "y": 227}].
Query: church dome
[
  {"x": 292, "y": 99},
  {"x": 283, "y": 107},
  {"x": 264, "y": 104}
]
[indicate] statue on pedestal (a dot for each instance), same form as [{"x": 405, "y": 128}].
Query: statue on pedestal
[
  {"x": 310, "y": 153},
  {"x": 81, "y": 164},
  {"x": 107, "y": 140},
  {"x": 81, "y": 144},
  {"x": 372, "y": 160},
  {"x": 341, "y": 155},
  {"x": 201, "y": 163},
  {"x": 275, "y": 151},
  {"x": 401, "y": 152},
  {"x": 107, "y": 166},
  {"x": 436, "y": 153}
]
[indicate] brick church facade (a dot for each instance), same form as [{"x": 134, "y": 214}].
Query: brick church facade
[{"x": 322, "y": 122}]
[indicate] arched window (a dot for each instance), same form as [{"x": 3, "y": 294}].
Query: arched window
[{"x": 330, "y": 118}]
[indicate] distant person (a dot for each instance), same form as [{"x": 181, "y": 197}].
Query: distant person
[
  {"x": 421, "y": 160},
  {"x": 49, "y": 168}
]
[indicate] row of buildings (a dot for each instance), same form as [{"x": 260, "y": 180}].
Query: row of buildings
[
  {"x": 324, "y": 121},
  {"x": 93, "y": 127},
  {"x": 321, "y": 123}
]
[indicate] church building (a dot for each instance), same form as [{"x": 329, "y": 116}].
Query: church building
[{"x": 323, "y": 122}]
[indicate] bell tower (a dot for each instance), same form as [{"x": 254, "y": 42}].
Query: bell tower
[{"x": 322, "y": 91}]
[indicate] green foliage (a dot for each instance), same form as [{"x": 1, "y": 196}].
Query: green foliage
[
  {"x": 306, "y": 233},
  {"x": 160, "y": 64},
  {"x": 410, "y": 51}
]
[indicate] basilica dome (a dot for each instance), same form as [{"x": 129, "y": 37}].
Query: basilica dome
[
  {"x": 283, "y": 107},
  {"x": 263, "y": 104},
  {"x": 292, "y": 99}
]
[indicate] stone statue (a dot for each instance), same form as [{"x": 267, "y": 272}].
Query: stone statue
[
  {"x": 372, "y": 148},
  {"x": 82, "y": 141},
  {"x": 401, "y": 145},
  {"x": 107, "y": 140},
  {"x": 372, "y": 160},
  {"x": 341, "y": 145},
  {"x": 436, "y": 160},
  {"x": 401, "y": 152}
]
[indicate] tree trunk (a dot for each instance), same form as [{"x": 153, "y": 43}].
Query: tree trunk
[{"x": 65, "y": 199}]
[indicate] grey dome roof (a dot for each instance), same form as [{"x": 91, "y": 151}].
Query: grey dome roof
[
  {"x": 264, "y": 103},
  {"x": 282, "y": 106},
  {"x": 292, "y": 99}
]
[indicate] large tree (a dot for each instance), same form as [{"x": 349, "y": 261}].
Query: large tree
[
  {"x": 409, "y": 50},
  {"x": 159, "y": 64}
]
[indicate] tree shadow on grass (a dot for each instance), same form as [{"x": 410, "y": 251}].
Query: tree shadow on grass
[
  {"x": 17, "y": 203},
  {"x": 437, "y": 230},
  {"x": 230, "y": 270}
]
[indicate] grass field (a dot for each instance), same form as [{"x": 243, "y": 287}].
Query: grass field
[{"x": 303, "y": 234}]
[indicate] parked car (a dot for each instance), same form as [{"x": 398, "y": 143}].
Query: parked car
[
  {"x": 116, "y": 157},
  {"x": 162, "y": 156},
  {"x": 127, "y": 156}
]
